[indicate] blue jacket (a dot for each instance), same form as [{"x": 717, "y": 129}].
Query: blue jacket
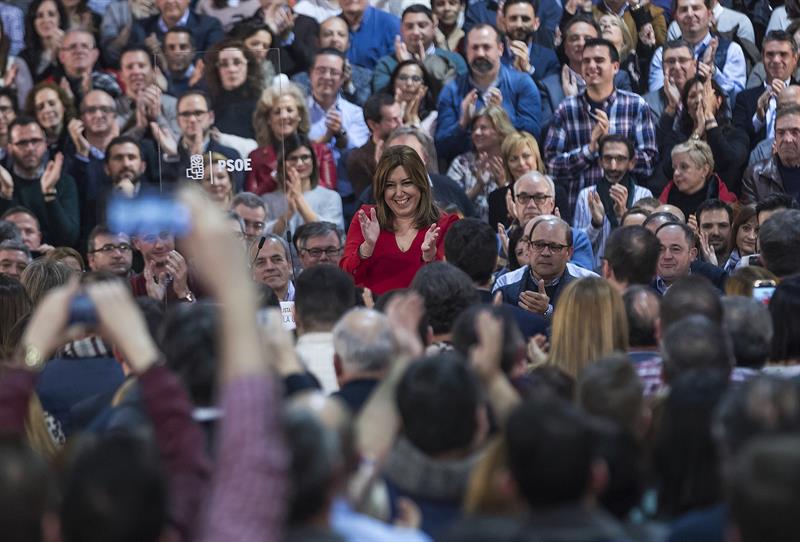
[
  {"x": 520, "y": 280},
  {"x": 521, "y": 102},
  {"x": 544, "y": 61},
  {"x": 483, "y": 11},
  {"x": 374, "y": 39},
  {"x": 387, "y": 64}
]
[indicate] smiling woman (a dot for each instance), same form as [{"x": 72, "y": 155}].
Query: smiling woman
[{"x": 388, "y": 242}]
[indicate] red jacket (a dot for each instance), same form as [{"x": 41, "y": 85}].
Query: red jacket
[
  {"x": 264, "y": 162},
  {"x": 715, "y": 190}
]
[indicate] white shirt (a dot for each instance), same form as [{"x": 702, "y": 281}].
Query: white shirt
[
  {"x": 316, "y": 353},
  {"x": 352, "y": 122}
]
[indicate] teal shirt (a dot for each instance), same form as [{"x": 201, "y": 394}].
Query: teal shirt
[{"x": 59, "y": 219}]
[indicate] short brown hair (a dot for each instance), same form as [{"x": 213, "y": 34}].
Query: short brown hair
[{"x": 407, "y": 158}]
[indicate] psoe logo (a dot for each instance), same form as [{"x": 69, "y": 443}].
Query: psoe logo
[
  {"x": 240, "y": 164},
  {"x": 196, "y": 169}
]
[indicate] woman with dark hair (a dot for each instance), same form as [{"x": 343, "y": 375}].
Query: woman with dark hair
[
  {"x": 388, "y": 242},
  {"x": 80, "y": 16},
  {"x": 14, "y": 305},
  {"x": 258, "y": 38},
  {"x": 299, "y": 198},
  {"x": 45, "y": 23},
  {"x": 52, "y": 107},
  {"x": 784, "y": 307},
  {"x": 228, "y": 12},
  {"x": 744, "y": 235},
  {"x": 705, "y": 117},
  {"x": 416, "y": 92},
  {"x": 235, "y": 83},
  {"x": 14, "y": 72}
]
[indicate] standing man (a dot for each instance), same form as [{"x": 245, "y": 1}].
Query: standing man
[
  {"x": 417, "y": 33},
  {"x": 677, "y": 241},
  {"x": 181, "y": 70},
  {"x": 780, "y": 173},
  {"x": 679, "y": 66},
  {"x": 756, "y": 107},
  {"x": 572, "y": 146},
  {"x": 521, "y": 50},
  {"x": 372, "y": 32},
  {"x": 78, "y": 55},
  {"x": 272, "y": 266},
  {"x": 718, "y": 57},
  {"x": 600, "y": 208},
  {"x": 14, "y": 258},
  {"x": 487, "y": 83},
  {"x": 253, "y": 212},
  {"x": 165, "y": 276},
  {"x": 714, "y": 221},
  {"x": 39, "y": 184},
  {"x": 334, "y": 121},
  {"x": 319, "y": 243}
]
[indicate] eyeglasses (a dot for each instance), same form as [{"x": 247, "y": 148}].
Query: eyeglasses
[
  {"x": 301, "y": 158},
  {"x": 6, "y": 109},
  {"x": 26, "y": 142},
  {"x": 538, "y": 199},
  {"x": 330, "y": 252},
  {"x": 104, "y": 109},
  {"x": 108, "y": 249},
  {"x": 320, "y": 70},
  {"x": 236, "y": 62},
  {"x": 610, "y": 159},
  {"x": 539, "y": 246},
  {"x": 195, "y": 114},
  {"x": 412, "y": 78},
  {"x": 78, "y": 47}
]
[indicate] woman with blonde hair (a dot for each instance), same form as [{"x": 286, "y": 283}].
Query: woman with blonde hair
[
  {"x": 217, "y": 182},
  {"x": 520, "y": 153},
  {"x": 481, "y": 171},
  {"x": 589, "y": 322},
  {"x": 281, "y": 112}
]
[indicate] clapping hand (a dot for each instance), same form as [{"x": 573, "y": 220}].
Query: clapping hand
[
  {"x": 370, "y": 229},
  {"x": 599, "y": 130},
  {"x": 535, "y": 301},
  {"x": 52, "y": 174},
  {"x": 620, "y": 196},
  {"x": 429, "y": 243},
  {"x": 596, "y": 209}
]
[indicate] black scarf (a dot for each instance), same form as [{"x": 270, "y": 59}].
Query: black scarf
[{"x": 604, "y": 190}]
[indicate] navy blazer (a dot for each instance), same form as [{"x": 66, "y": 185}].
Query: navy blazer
[
  {"x": 205, "y": 30},
  {"x": 745, "y": 108}
]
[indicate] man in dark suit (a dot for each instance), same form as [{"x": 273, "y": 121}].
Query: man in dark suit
[
  {"x": 205, "y": 30},
  {"x": 755, "y": 107}
]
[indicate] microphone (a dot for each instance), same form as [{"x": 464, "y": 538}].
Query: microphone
[
  {"x": 260, "y": 246},
  {"x": 291, "y": 256}
]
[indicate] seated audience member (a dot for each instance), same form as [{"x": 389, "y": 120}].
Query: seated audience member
[
  {"x": 53, "y": 109},
  {"x": 253, "y": 212},
  {"x": 750, "y": 325},
  {"x": 234, "y": 84},
  {"x": 479, "y": 171},
  {"x": 28, "y": 226},
  {"x": 300, "y": 198},
  {"x": 724, "y": 61},
  {"x": 206, "y": 30},
  {"x": 40, "y": 185},
  {"x": 417, "y": 32},
  {"x": 471, "y": 245},
  {"x": 109, "y": 252},
  {"x": 443, "y": 421},
  {"x": 372, "y": 33},
  {"x": 14, "y": 258},
  {"x": 704, "y": 117},
  {"x": 364, "y": 346},
  {"x": 323, "y": 295},
  {"x": 333, "y": 33},
  {"x": 714, "y": 220},
  {"x": 600, "y": 208},
  {"x": 631, "y": 258},
  {"x": 417, "y": 93},
  {"x": 319, "y": 243},
  {"x": 487, "y": 83},
  {"x": 571, "y": 149},
  {"x": 778, "y": 238},
  {"x": 743, "y": 237},
  {"x": 447, "y": 291},
  {"x": 779, "y": 172},
  {"x": 282, "y": 113},
  {"x": 272, "y": 266},
  {"x": 695, "y": 179},
  {"x": 179, "y": 67},
  {"x": 387, "y": 244},
  {"x": 679, "y": 67},
  {"x": 165, "y": 276},
  {"x": 447, "y": 194},
  {"x": 536, "y": 287},
  {"x": 784, "y": 356},
  {"x": 78, "y": 55},
  {"x": 556, "y": 467},
  {"x": 588, "y": 323}
]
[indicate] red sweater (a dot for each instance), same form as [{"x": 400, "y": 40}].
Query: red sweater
[
  {"x": 388, "y": 268},
  {"x": 264, "y": 162}
]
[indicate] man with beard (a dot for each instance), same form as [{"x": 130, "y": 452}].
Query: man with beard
[
  {"x": 487, "y": 83},
  {"x": 781, "y": 172},
  {"x": 600, "y": 208},
  {"x": 182, "y": 72},
  {"x": 522, "y": 52},
  {"x": 40, "y": 185},
  {"x": 124, "y": 164},
  {"x": 679, "y": 67},
  {"x": 714, "y": 221},
  {"x": 416, "y": 41}
]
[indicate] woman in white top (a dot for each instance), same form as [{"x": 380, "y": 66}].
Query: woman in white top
[{"x": 299, "y": 198}]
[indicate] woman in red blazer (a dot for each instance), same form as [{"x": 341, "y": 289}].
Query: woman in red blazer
[{"x": 388, "y": 242}]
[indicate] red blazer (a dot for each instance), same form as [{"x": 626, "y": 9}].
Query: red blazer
[
  {"x": 388, "y": 268},
  {"x": 264, "y": 162}
]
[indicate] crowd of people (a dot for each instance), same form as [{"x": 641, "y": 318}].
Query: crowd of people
[{"x": 445, "y": 270}]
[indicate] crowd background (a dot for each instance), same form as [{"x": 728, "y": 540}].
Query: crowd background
[{"x": 483, "y": 271}]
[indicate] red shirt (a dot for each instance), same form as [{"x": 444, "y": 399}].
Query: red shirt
[{"x": 388, "y": 268}]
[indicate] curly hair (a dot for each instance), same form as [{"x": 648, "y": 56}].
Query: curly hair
[
  {"x": 254, "y": 82},
  {"x": 67, "y": 102},
  {"x": 269, "y": 99}
]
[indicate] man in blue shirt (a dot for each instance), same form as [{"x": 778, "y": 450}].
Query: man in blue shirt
[
  {"x": 372, "y": 32},
  {"x": 487, "y": 83},
  {"x": 417, "y": 32},
  {"x": 522, "y": 51}
]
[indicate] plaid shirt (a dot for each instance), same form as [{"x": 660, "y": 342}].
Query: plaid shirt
[{"x": 566, "y": 149}]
